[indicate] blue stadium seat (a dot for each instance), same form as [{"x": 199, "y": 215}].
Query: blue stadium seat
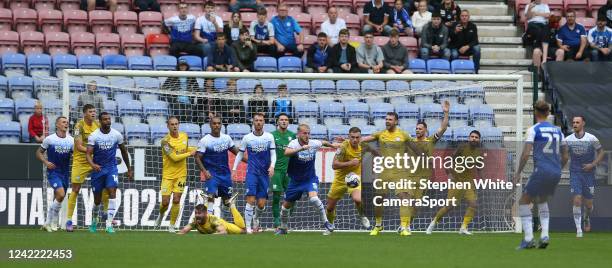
[
  {"x": 193, "y": 132},
  {"x": 446, "y": 137},
  {"x": 492, "y": 135},
  {"x": 39, "y": 64},
  {"x": 417, "y": 66},
  {"x": 473, "y": 95},
  {"x": 156, "y": 112},
  {"x": 115, "y": 62},
  {"x": 24, "y": 108},
  {"x": 265, "y": 64},
  {"x": 373, "y": 85},
  {"x": 158, "y": 132},
  {"x": 102, "y": 84},
  {"x": 7, "y": 109},
  {"x": 90, "y": 62},
  {"x": 140, "y": 63},
  {"x": 462, "y": 133},
  {"x": 110, "y": 106},
  {"x": 318, "y": 132},
  {"x": 194, "y": 62},
  {"x": 10, "y": 132},
  {"x": 220, "y": 84},
  {"x": 137, "y": 133},
  {"x": 47, "y": 87},
  {"x": 378, "y": 112},
  {"x": 292, "y": 128},
  {"x": 417, "y": 86},
  {"x": 348, "y": 86},
  {"x": 289, "y": 64},
  {"x": 460, "y": 66},
  {"x": 63, "y": 61},
  {"x": 367, "y": 130},
  {"x": 246, "y": 85},
  {"x": 459, "y": 115},
  {"x": 431, "y": 113},
  {"x": 52, "y": 107},
  {"x": 482, "y": 115},
  {"x": 130, "y": 111},
  {"x": 323, "y": 86},
  {"x": 119, "y": 82},
  {"x": 298, "y": 86},
  {"x": 332, "y": 113},
  {"x": 14, "y": 64},
  {"x": 146, "y": 83},
  {"x": 3, "y": 85},
  {"x": 358, "y": 113},
  {"x": 438, "y": 66},
  {"x": 164, "y": 63},
  {"x": 271, "y": 85},
  {"x": 206, "y": 129},
  {"x": 307, "y": 112},
  {"x": 123, "y": 96},
  {"x": 337, "y": 130},
  {"x": 21, "y": 86},
  {"x": 398, "y": 85},
  {"x": 408, "y": 114},
  {"x": 269, "y": 128},
  {"x": 119, "y": 127},
  {"x": 237, "y": 131}
]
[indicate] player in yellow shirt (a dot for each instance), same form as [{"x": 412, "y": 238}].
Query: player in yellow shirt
[
  {"x": 347, "y": 161},
  {"x": 470, "y": 150},
  {"x": 210, "y": 224},
  {"x": 175, "y": 151}
]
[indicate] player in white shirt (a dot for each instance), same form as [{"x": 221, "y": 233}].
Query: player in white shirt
[{"x": 332, "y": 26}]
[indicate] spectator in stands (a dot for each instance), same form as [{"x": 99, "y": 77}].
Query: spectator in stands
[
  {"x": 464, "y": 39},
  {"x": 91, "y": 96},
  {"x": 258, "y": 103},
  {"x": 147, "y": 5},
  {"x": 395, "y": 55},
  {"x": 208, "y": 106},
  {"x": 399, "y": 18},
  {"x": 245, "y": 52},
  {"x": 236, "y": 5},
  {"x": 221, "y": 57},
  {"x": 369, "y": 56},
  {"x": 282, "y": 103},
  {"x": 410, "y": 6},
  {"x": 450, "y": 11},
  {"x": 285, "y": 30},
  {"x": 233, "y": 107},
  {"x": 262, "y": 33},
  {"x": 316, "y": 58},
  {"x": 547, "y": 49},
  {"x": 376, "y": 18},
  {"x": 206, "y": 27},
  {"x": 600, "y": 40},
  {"x": 537, "y": 14},
  {"x": 342, "y": 57},
  {"x": 421, "y": 17},
  {"x": 332, "y": 26},
  {"x": 571, "y": 39},
  {"x": 180, "y": 28},
  {"x": 232, "y": 28},
  {"x": 89, "y": 5},
  {"x": 181, "y": 105},
  {"x": 434, "y": 39},
  {"x": 606, "y": 12},
  {"x": 38, "y": 124}
]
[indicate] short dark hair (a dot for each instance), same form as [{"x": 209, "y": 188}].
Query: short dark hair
[
  {"x": 243, "y": 30},
  {"x": 220, "y": 35},
  {"x": 87, "y": 107},
  {"x": 422, "y": 122},
  {"x": 475, "y": 132},
  {"x": 321, "y": 34},
  {"x": 213, "y": 118},
  {"x": 344, "y": 31},
  {"x": 436, "y": 14},
  {"x": 394, "y": 114},
  {"x": 580, "y": 116},
  {"x": 258, "y": 86},
  {"x": 61, "y": 117},
  {"x": 570, "y": 11},
  {"x": 354, "y": 129},
  {"x": 103, "y": 114},
  {"x": 394, "y": 33},
  {"x": 282, "y": 114},
  {"x": 201, "y": 208},
  {"x": 262, "y": 11},
  {"x": 209, "y": 4},
  {"x": 601, "y": 18},
  {"x": 542, "y": 107}
]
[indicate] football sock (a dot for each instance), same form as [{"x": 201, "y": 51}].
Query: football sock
[
  {"x": 95, "y": 211},
  {"x": 316, "y": 202},
  {"x": 467, "y": 218},
  {"x": 577, "y": 211},
  {"x": 258, "y": 213},
  {"x": 105, "y": 199},
  {"x": 162, "y": 209},
  {"x": 360, "y": 209},
  {"x": 587, "y": 212},
  {"x": 544, "y": 218},
  {"x": 441, "y": 212},
  {"x": 331, "y": 215},
  {"x": 174, "y": 211},
  {"x": 284, "y": 217},
  {"x": 110, "y": 212},
  {"x": 405, "y": 216},
  {"x": 238, "y": 220},
  {"x": 53, "y": 211},
  {"x": 378, "y": 215},
  {"x": 527, "y": 221},
  {"x": 72, "y": 199},
  {"x": 248, "y": 215},
  {"x": 276, "y": 203}
]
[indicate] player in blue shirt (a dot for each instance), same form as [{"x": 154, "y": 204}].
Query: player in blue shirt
[
  {"x": 59, "y": 148},
  {"x": 102, "y": 147},
  {"x": 261, "y": 151},
  {"x": 550, "y": 154},
  {"x": 600, "y": 41},
  {"x": 302, "y": 154},
  {"x": 212, "y": 159},
  {"x": 285, "y": 29},
  {"x": 585, "y": 153}
]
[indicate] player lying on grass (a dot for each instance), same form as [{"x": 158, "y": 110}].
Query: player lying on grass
[
  {"x": 207, "y": 223},
  {"x": 58, "y": 148}
]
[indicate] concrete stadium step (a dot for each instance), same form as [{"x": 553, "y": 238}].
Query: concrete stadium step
[
  {"x": 505, "y": 19},
  {"x": 517, "y": 64},
  {"x": 487, "y": 41},
  {"x": 506, "y": 100},
  {"x": 485, "y": 8},
  {"x": 527, "y": 77},
  {"x": 507, "y": 120},
  {"x": 502, "y": 53},
  {"x": 498, "y": 31}
]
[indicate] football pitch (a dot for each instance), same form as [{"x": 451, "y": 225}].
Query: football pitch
[{"x": 161, "y": 249}]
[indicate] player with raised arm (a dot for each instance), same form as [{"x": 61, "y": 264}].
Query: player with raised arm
[
  {"x": 207, "y": 223},
  {"x": 58, "y": 148},
  {"x": 471, "y": 150},
  {"x": 280, "y": 180},
  {"x": 347, "y": 162},
  {"x": 550, "y": 154},
  {"x": 585, "y": 153},
  {"x": 101, "y": 150},
  {"x": 175, "y": 151},
  {"x": 302, "y": 154},
  {"x": 261, "y": 152},
  {"x": 212, "y": 159}
]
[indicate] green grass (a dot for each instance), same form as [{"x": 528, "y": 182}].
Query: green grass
[{"x": 161, "y": 249}]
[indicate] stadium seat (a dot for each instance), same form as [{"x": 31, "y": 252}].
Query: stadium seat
[
  {"x": 353, "y": 24},
  {"x": 24, "y": 108},
  {"x": 102, "y": 82},
  {"x": 417, "y": 66},
  {"x": 408, "y": 114},
  {"x": 32, "y": 42},
  {"x": 378, "y": 112},
  {"x": 125, "y": 22},
  {"x": 140, "y": 63},
  {"x": 146, "y": 83},
  {"x": 309, "y": 40},
  {"x": 578, "y": 6},
  {"x": 220, "y": 84},
  {"x": 157, "y": 44},
  {"x": 206, "y": 129},
  {"x": 296, "y": 86},
  {"x": 3, "y": 85},
  {"x": 348, "y": 86},
  {"x": 271, "y": 85},
  {"x": 46, "y": 87},
  {"x": 6, "y": 19},
  {"x": 83, "y": 43},
  {"x": 323, "y": 86},
  {"x": 20, "y": 86},
  {"x": 130, "y": 111},
  {"x": 9, "y": 42},
  {"x": 292, "y": 128},
  {"x": 50, "y": 20},
  {"x": 367, "y": 130},
  {"x": 421, "y": 86},
  {"x": 53, "y": 108},
  {"x": 472, "y": 95},
  {"x": 334, "y": 131},
  {"x": 492, "y": 135},
  {"x": 265, "y": 64},
  {"x": 246, "y": 85},
  {"x": 119, "y": 82},
  {"x": 155, "y": 112},
  {"x": 358, "y": 113},
  {"x": 25, "y": 19},
  {"x": 68, "y": 5},
  {"x": 119, "y": 127},
  {"x": 269, "y": 128},
  {"x": 304, "y": 20},
  {"x": 10, "y": 132},
  {"x": 307, "y": 112},
  {"x": 101, "y": 21},
  {"x": 459, "y": 115},
  {"x": 289, "y": 64},
  {"x": 42, "y": 5},
  {"x": 462, "y": 67},
  {"x": 89, "y": 62},
  {"x": 7, "y": 109},
  {"x": 431, "y": 113},
  {"x": 39, "y": 65},
  {"x": 108, "y": 44},
  {"x": 556, "y": 6},
  {"x": 317, "y": 131},
  {"x": 110, "y": 106},
  {"x": 381, "y": 40},
  {"x": 158, "y": 132},
  {"x": 372, "y": 86},
  {"x": 482, "y": 115},
  {"x": 332, "y": 113},
  {"x": 193, "y": 132},
  {"x": 411, "y": 44},
  {"x": 57, "y": 43},
  {"x": 438, "y": 66},
  {"x": 137, "y": 134},
  {"x": 594, "y": 6},
  {"x": 164, "y": 63},
  {"x": 194, "y": 62},
  {"x": 75, "y": 21},
  {"x": 317, "y": 19},
  {"x": 153, "y": 85},
  {"x": 588, "y": 23},
  {"x": 398, "y": 85},
  {"x": 115, "y": 62},
  {"x": 150, "y": 22},
  {"x": 462, "y": 133},
  {"x": 13, "y": 64},
  {"x": 237, "y": 131},
  {"x": 133, "y": 44}
]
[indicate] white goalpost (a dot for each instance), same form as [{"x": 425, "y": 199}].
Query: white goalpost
[{"x": 141, "y": 101}]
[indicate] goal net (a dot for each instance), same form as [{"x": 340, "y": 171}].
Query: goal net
[{"x": 141, "y": 101}]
